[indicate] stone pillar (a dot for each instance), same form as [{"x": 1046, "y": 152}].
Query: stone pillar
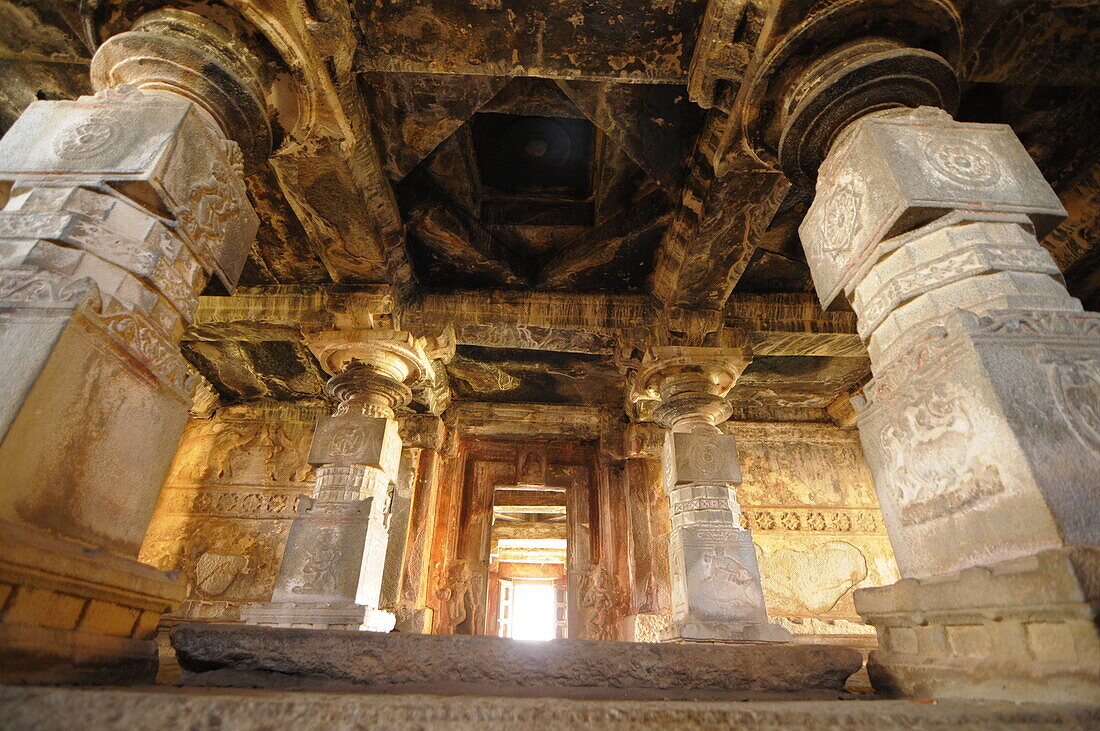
[
  {"x": 981, "y": 424},
  {"x": 649, "y": 525},
  {"x": 407, "y": 561},
  {"x": 119, "y": 207},
  {"x": 336, "y": 555},
  {"x": 716, "y": 589}
]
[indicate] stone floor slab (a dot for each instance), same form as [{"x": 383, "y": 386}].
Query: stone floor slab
[
  {"x": 266, "y": 657},
  {"x": 46, "y": 709}
]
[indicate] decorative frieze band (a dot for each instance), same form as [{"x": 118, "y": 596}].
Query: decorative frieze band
[
  {"x": 976, "y": 259},
  {"x": 247, "y": 504},
  {"x": 809, "y": 520}
]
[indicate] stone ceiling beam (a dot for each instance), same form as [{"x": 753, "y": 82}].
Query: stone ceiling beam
[
  {"x": 514, "y": 501},
  {"x": 777, "y": 324},
  {"x": 570, "y": 39},
  {"x": 484, "y": 419},
  {"x": 282, "y": 312}
]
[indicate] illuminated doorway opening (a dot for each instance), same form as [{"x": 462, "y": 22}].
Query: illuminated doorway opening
[
  {"x": 528, "y": 610},
  {"x": 528, "y": 553}
]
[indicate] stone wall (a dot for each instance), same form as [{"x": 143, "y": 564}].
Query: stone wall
[
  {"x": 808, "y": 498},
  {"x": 225, "y": 510}
]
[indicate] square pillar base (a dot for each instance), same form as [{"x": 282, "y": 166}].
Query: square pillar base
[
  {"x": 319, "y": 616},
  {"x": 1021, "y": 630},
  {"x": 742, "y": 633},
  {"x": 74, "y": 614}
]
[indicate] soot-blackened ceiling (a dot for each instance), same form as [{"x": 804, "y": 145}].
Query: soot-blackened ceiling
[{"x": 533, "y": 183}]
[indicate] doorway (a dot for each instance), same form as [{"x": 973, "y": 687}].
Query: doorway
[{"x": 527, "y": 562}]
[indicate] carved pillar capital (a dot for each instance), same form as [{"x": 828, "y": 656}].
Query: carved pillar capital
[
  {"x": 684, "y": 388},
  {"x": 374, "y": 371},
  {"x": 839, "y": 62},
  {"x": 180, "y": 53}
]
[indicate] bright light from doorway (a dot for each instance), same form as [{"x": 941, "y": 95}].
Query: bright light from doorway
[{"x": 533, "y": 612}]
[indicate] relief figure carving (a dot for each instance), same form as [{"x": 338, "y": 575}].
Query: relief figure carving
[
  {"x": 284, "y": 454},
  {"x": 601, "y": 597},
  {"x": 719, "y": 581},
  {"x": 452, "y": 595},
  {"x": 212, "y": 202},
  {"x": 319, "y": 570},
  {"x": 228, "y": 451},
  {"x": 930, "y": 458}
]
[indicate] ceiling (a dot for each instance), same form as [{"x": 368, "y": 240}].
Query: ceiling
[{"x": 518, "y": 146}]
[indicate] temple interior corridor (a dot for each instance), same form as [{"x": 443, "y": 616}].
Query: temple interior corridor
[{"x": 504, "y": 363}]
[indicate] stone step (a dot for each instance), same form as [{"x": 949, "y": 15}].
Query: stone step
[
  {"x": 47, "y": 709},
  {"x": 268, "y": 657}
]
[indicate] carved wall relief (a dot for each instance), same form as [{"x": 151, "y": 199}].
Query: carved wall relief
[
  {"x": 602, "y": 599},
  {"x": 229, "y": 447},
  {"x": 809, "y": 499},
  {"x": 531, "y": 467},
  {"x": 284, "y": 454},
  {"x": 215, "y": 572},
  {"x": 932, "y": 462},
  {"x": 812, "y": 581},
  {"x": 454, "y": 598},
  {"x": 1075, "y": 382},
  {"x": 224, "y": 512}
]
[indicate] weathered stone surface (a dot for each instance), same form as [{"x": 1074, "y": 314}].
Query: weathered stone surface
[
  {"x": 77, "y": 615},
  {"x": 224, "y": 512},
  {"x": 423, "y": 150},
  {"x": 230, "y": 655},
  {"x": 60, "y": 708},
  {"x": 974, "y": 425},
  {"x": 332, "y": 568},
  {"x": 1016, "y": 630}
]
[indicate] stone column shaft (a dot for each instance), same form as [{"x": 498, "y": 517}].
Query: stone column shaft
[
  {"x": 118, "y": 208},
  {"x": 716, "y": 590},
  {"x": 339, "y": 548},
  {"x": 96, "y": 289},
  {"x": 981, "y": 423}
]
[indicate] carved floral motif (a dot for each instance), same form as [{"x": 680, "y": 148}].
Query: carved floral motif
[
  {"x": 142, "y": 339},
  {"x": 963, "y": 162},
  {"x": 840, "y": 219},
  {"x": 38, "y": 287},
  {"x": 85, "y": 139}
]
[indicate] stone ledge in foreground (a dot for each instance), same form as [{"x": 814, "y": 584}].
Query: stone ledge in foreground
[
  {"x": 46, "y": 709},
  {"x": 268, "y": 657}
]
